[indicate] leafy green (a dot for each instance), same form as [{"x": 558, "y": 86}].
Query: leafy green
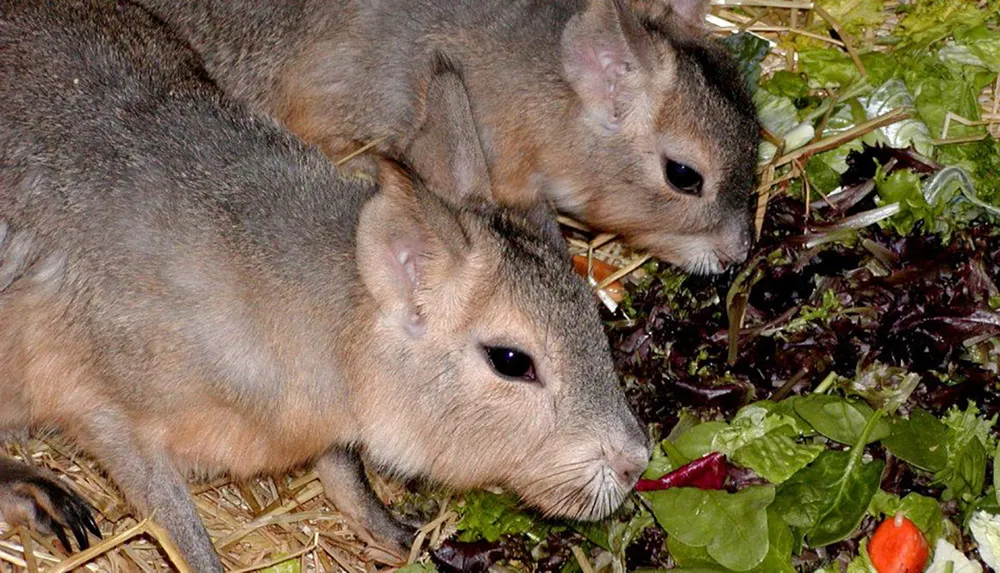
[
  {"x": 948, "y": 559},
  {"x": 777, "y": 560},
  {"x": 776, "y": 457},
  {"x": 659, "y": 464},
  {"x": 982, "y": 160},
  {"x": 931, "y": 20},
  {"x": 828, "y": 68},
  {"x": 748, "y": 50},
  {"x": 964, "y": 474},
  {"x": 751, "y": 422},
  {"x": 786, "y": 84},
  {"x": 882, "y": 386},
  {"x": 904, "y": 187},
  {"x": 855, "y": 15},
  {"x": 731, "y": 526},
  {"x": 615, "y": 535},
  {"x": 840, "y": 419},
  {"x": 985, "y": 528},
  {"x": 760, "y": 437},
  {"x": 984, "y": 44},
  {"x": 697, "y": 441},
  {"x": 924, "y": 512},
  {"x": 820, "y": 172},
  {"x": 920, "y": 440},
  {"x": 489, "y": 516},
  {"x": 824, "y": 502},
  {"x": 996, "y": 475},
  {"x": 955, "y": 450}
]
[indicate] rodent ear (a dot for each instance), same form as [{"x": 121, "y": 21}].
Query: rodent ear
[
  {"x": 686, "y": 18},
  {"x": 599, "y": 51},
  {"x": 400, "y": 231},
  {"x": 543, "y": 217},
  {"x": 691, "y": 12},
  {"x": 446, "y": 151}
]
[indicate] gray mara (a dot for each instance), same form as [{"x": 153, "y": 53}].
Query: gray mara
[
  {"x": 184, "y": 286},
  {"x": 622, "y": 113}
]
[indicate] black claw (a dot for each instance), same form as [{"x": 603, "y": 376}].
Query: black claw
[
  {"x": 80, "y": 534},
  {"x": 92, "y": 526},
  {"x": 82, "y": 519},
  {"x": 71, "y": 511},
  {"x": 60, "y": 533}
]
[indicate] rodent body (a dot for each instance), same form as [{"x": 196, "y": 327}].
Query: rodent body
[
  {"x": 185, "y": 286},
  {"x": 622, "y": 114}
]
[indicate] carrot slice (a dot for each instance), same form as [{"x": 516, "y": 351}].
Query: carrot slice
[{"x": 600, "y": 271}]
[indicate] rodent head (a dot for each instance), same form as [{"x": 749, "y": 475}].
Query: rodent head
[
  {"x": 493, "y": 365},
  {"x": 668, "y": 119}
]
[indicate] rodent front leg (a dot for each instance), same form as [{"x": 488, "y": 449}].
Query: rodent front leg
[
  {"x": 344, "y": 480},
  {"x": 153, "y": 485}
]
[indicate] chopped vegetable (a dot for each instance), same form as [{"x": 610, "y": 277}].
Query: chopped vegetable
[
  {"x": 948, "y": 559},
  {"x": 599, "y": 271},
  {"x": 985, "y": 528},
  {"x": 898, "y": 546},
  {"x": 706, "y": 472}
]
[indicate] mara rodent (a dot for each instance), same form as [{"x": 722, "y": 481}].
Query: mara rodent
[
  {"x": 621, "y": 113},
  {"x": 186, "y": 286}
]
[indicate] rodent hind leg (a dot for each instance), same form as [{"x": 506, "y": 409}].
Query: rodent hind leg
[
  {"x": 150, "y": 482},
  {"x": 35, "y": 498},
  {"x": 345, "y": 483}
]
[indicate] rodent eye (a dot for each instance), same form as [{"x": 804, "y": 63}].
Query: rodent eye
[
  {"x": 683, "y": 178},
  {"x": 511, "y": 363}
]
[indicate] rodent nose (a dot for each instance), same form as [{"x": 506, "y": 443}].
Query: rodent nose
[{"x": 629, "y": 465}]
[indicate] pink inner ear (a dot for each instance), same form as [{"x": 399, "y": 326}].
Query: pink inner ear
[
  {"x": 406, "y": 272},
  {"x": 602, "y": 66},
  {"x": 595, "y": 56},
  {"x": 407, "y": 267}
]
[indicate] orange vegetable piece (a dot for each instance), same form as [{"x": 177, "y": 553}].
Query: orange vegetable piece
[
  {"x": 898, "y": 546},
  {"x": 600, "y": 271}
]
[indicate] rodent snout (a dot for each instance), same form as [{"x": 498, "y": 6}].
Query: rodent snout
[{"x": 629, "y": 464}]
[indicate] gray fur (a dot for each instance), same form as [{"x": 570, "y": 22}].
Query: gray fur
[
  {"x": 342, "y": 73},
  {"x": 187, "y": 287}
]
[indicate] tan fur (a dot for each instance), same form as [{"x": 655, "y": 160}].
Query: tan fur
[
  {"x": 579, "y": 103},
  {"x": 188, "y": 288}
]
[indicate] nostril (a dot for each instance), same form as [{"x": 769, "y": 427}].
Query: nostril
[{"x": 630, "y": 467}]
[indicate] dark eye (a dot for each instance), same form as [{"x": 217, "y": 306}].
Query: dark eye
[
  {"x": 511, "y": 363},
  {"x": 683, "y": 178}
]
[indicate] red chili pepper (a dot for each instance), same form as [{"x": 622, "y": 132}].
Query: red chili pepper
[{"x": 706, "y": 472}]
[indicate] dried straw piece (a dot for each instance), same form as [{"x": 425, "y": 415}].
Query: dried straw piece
[
  {"x": 273, "y": 562},
  {"x": 843, "y": 38},
  {"x": 888, "y": 118},
  {"x": 102, "y": 548}
]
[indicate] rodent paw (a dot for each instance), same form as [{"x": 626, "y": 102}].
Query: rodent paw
[{"x": 42, "y": 502}]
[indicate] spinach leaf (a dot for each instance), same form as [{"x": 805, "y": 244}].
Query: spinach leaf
[
  {"x": 732, "y": 527},
  {"x": 777, "y": 560},
  {"x": 840, "y": 419},
  {"x": 697, "y": 441},
  {"x": 920, "y": 440},
  {"x": 824, "y": 502}
]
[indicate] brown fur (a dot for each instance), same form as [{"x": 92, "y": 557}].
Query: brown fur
[
  {"x": 577, "y": 102},
  {"x": 187, "y": 287}
]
